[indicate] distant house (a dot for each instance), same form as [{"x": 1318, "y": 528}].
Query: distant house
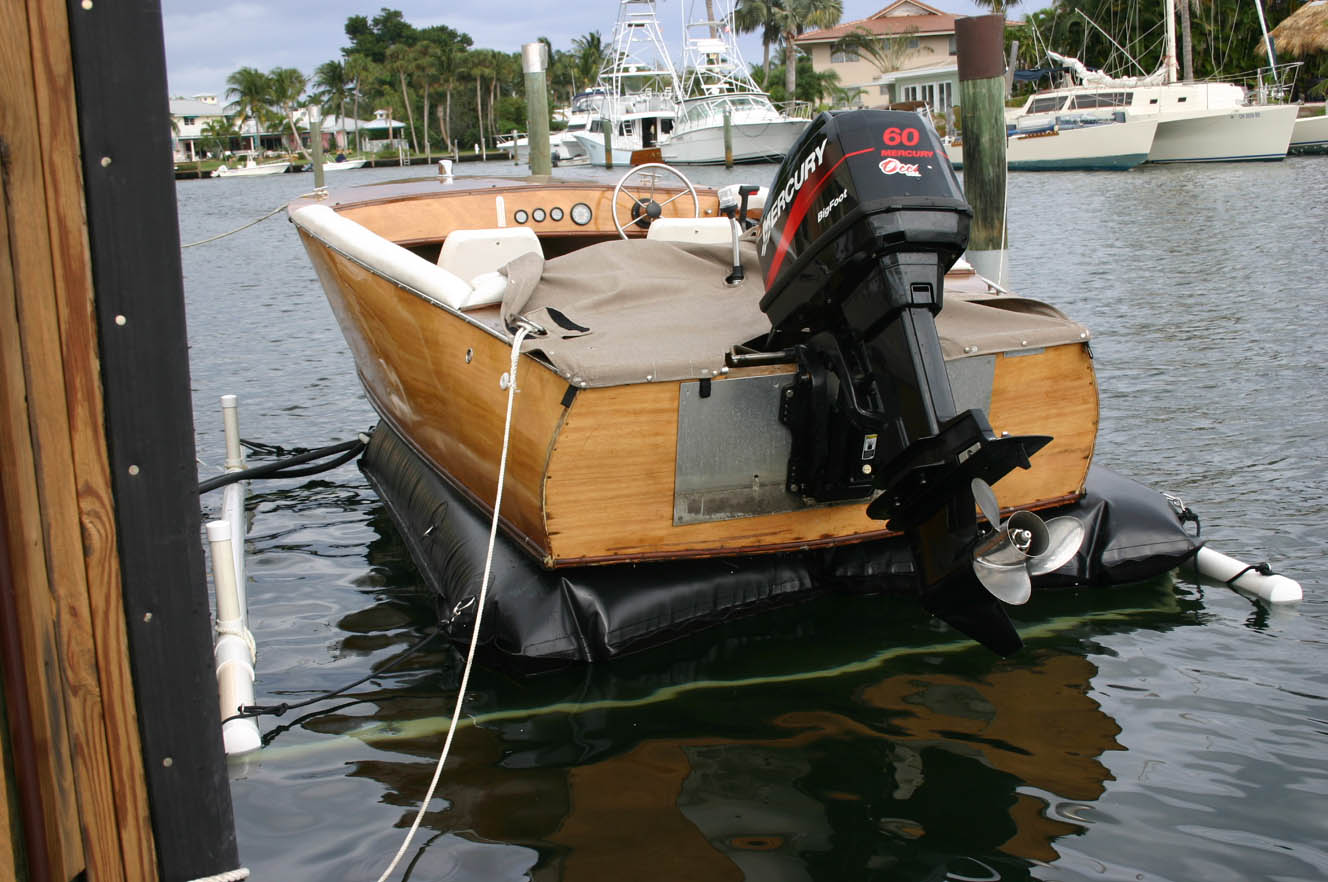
[
  {"x": 919, "y": 41},
  {"x": 190, "y": 116}
]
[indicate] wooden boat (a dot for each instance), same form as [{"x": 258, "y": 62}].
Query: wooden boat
[{"x": 677, "y": 401}]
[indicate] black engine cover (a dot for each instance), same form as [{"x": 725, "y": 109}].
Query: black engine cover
[{"x": 856, "y": 186}]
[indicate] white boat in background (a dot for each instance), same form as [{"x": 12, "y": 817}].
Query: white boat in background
[
  {"x": 717, "y": 83},
  {"x": 1072, "y": 143},
  {"x": 1310, "y": 134},
  {"x": 251, "y": 169},
  {"x": 640, "y": 87},
  {"x": 1197, "y": 122},
  {"x": 344, "y": 164},
  {"x": 585, "y": 106}
]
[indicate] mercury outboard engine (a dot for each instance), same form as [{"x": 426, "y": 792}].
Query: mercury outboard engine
[{"x": 863, "y": 221}]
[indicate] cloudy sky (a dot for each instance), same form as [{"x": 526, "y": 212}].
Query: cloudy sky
[{"x": 208, "y": 39}]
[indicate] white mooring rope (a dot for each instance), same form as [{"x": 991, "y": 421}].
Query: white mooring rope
[
  {"x": 479, "y": 607},
  {"x": 229, "y": 876}
]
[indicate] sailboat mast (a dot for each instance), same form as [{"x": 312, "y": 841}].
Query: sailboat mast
[
  {"x": 1173, "y": 75},
  {"x": 1267, "y": 41}
]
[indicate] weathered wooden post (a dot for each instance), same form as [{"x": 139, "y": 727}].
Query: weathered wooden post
[
  {"x": 728, "y": 139},
  {"x": 533, "y": 62},
  {"x": 980, "y": 42},
  {"x": 316, "y": 143},
  {"x": 608, "y": 142},
  {"x": 113, "y": 724}
]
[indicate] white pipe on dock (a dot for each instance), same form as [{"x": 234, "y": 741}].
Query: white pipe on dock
[
  {"x": 232, "y": 507},
  {"x": 233, "y": 650},
  {"x": 1272, "y": 588}
]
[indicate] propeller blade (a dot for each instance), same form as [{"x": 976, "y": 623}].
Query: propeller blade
[
  {"x": 986, "y": 500},
  {"x": 1008, "y": 583},
  {"x": 963, "y": 604},
  {"x": 1064, "y": 536}
]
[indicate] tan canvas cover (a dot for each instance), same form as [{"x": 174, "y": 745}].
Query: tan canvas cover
[{"x": 636, "y": 311}]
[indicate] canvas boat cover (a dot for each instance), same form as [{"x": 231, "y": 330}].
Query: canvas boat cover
[{"x": 637, "y": 311}]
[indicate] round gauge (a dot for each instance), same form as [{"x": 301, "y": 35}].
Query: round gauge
[
  {"x": 555, "y": 214},
  {"x": 521, "y": 217},
  {"x": 538, "y": 215},
  {"x": 581, "y": 214}
]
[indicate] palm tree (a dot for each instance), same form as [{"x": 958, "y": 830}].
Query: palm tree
[
  {"x": 288, "y": 94},
  {"x": 796, "y": 16},
  {"x": 425, "y": 61},
  {"x": 589, "y": 51},
  {"x": 357, "y": 69},
  {"x": 759, "y": 15},
  {"x": 886, "y": 54},
  {"x": 249, "y": 90},
  {"x": 399, "y": 62},
  {"x": 480, "y": 64},
  {"x": 333, "y": 84}
]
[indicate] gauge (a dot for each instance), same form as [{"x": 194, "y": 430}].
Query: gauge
[
  {"x": 580, "y": 214},
  {"x": 521, "y": 217},
  {"x": 538, "y": 215},
  {"x": 555, "y": 214}
]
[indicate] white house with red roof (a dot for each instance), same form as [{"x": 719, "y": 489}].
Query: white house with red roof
[{"x": 919, "y": 44}]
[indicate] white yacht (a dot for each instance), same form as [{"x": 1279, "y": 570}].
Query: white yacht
[
  {"x": 640, "y": 87},
  {"x": 1196, "y": 122},
  {"x": 717, "y": 83}
]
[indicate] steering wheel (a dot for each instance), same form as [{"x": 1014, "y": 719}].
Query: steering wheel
[{"x": 640, "y": 185}]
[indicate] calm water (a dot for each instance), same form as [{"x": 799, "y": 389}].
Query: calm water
[{"x": 1170, "y": 731}]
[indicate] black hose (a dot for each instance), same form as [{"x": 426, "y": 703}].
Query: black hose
[
  {"x": 282, "y": 468},
  {"x": 256, "y": 710}
]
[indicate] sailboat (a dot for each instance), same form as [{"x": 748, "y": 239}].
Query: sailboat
[
  {"x": 1196, "y": 121},
  {"x": 640, "y": 87},
  {"x": 717, "y": 84}
]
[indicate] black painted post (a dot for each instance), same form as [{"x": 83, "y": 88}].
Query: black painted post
[{"x": 124, "y": 129}]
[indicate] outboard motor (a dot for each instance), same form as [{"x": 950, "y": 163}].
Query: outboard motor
[{"x": 863, "y": 221}]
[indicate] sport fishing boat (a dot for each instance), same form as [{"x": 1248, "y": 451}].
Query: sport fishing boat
[
  {"x": 695, "y": 420},
  {"x": 717, "y": 85},
  {"x": 639, "y": 87}
]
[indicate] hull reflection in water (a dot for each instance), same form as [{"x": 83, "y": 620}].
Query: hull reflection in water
[{"x": 647, "y": 773}]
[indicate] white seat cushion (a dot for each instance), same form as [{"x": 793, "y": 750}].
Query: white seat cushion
[
  {"x": 705, "y": 230},
  {"x": 470, "y": 253}
]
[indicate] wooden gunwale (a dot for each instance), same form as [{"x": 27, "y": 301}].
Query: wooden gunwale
[{"x": 580, "y": 490}]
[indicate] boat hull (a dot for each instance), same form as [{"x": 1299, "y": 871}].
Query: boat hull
[
  {"x": 765, "y": 141},
  {"x": 1310, "y": 135},
  {"x": 252, "y": 171},
  {"x": 1248, "y": 134},
  {"x": 1107, "y": 147},
  {"x": 592, "y": 472},
  {"x": 538, "y": 619}
]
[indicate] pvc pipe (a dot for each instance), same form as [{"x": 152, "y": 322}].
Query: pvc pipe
[
  {"x": 233, "y": 650},
  {"x": 230, "y": 419},
  {"x": 232, "y": 503},
  {"x": 1221, "y": 568}
]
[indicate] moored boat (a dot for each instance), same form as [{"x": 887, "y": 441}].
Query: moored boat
[
  {"x": 707, "y": 421},
  {"x": 717, "y": 92},
  {"x": 1073, "y": 144},
  {"x": 1310, "y": 134},
  {"x": 251, "y": 169}
]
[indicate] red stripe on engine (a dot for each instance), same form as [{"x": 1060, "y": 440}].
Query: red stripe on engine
[{"x": 801, "y": 203}]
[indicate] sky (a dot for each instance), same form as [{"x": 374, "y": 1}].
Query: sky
[{"x": 206, "y": 40}]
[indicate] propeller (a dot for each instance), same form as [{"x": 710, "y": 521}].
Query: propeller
[{"x": 1022, "y": 547}]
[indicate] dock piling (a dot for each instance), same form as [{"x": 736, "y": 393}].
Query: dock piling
[
  {"x": 534, "y": 63},
  {"x": 980, "y": 43}
]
